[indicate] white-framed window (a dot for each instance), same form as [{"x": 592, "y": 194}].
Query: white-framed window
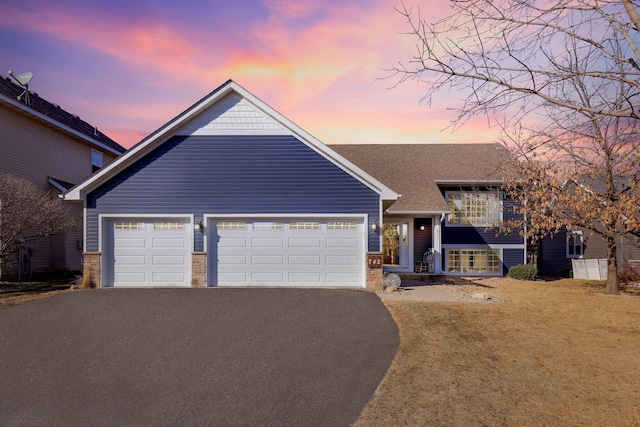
[
  {"x": 96, "y": 160},
  {"x": 267, "y": 225},
  {"x": 160, "y": 225},
  {"x": 474, "y": 208},
  {"x": 304, "y": 225},
  {"x": 575, "y": 244},
  {"x": 342, "y": 225},
  {"x": 231, "y": 225},
  {"x": 473, "y": 260},
  {"x": 126, "y": 225}
]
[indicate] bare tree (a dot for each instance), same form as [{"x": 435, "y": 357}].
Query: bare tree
[
  {"x": 28, "y": 214},
  {"x": 561, "y": 78}
]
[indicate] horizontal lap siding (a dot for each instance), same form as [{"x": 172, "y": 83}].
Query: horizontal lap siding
[
  {"x": 230, "y": 175},
  {"x": 511, "y": 257}
]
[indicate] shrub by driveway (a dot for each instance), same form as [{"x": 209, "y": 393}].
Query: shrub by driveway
[{"x": 194, "y": 357}]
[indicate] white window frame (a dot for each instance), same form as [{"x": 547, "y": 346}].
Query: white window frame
[
  {"x": 448, "y": 195},
  {"x": 569, "y": 239}
]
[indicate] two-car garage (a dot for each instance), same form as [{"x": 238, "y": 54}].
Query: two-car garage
[{"x": 241, "y": 251}]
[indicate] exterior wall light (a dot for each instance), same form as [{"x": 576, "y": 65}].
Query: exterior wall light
[
  {"x": 374, "y": 225},
  {"x": 198, "y": 226}
]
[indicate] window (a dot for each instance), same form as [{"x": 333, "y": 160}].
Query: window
[
  {"x": 305, "y": 225},
  {"x": 473, "y": 260},
  {"x": 268, "y": 226},
  {"x": 96, "y": 160},
  {"x": 342, "y": 225},
  {"x": 231, "y": 225},
  {"x": 168, "y": 226},
  {"x": 129, "y": 226},
  {"x": 575, "y": 244},
  {"x": 474, "y": 208}
]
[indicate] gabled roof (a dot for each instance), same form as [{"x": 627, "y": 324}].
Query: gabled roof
[
  {"x": 416, "y": 170},
  {"x": 53, "y": 114},
  {"x": 203, "y": 117}
]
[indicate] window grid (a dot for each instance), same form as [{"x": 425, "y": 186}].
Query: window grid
[
  {"x": 129, "y": 225},
  {"x": 305, "y": 225},
  {"x": 473, "y": 260},
  {"x": 168, "y": 226},
  {"x": 268, "y": 226},
  {"x": 474, "y": 208},
  {"x": 341, "y": 225},
  {"x": 231, "y": 225}
]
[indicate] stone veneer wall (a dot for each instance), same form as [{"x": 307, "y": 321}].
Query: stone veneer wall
[
  {"x": 91, "y": 268},
  {"x": 374, "y": 275},
  {"x": 198, "y": 269}
]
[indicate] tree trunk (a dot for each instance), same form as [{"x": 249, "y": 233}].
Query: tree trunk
[{"x": 612, "y": 265}]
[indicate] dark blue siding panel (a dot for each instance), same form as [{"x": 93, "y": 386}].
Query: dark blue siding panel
[
  {"x": 511, "y": 257},
  {"x": 230, "y": 175}
]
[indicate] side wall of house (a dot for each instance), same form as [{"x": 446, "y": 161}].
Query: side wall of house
[
  {"x": 199, "y": 175},
  {"x": 36, "y": 151}
]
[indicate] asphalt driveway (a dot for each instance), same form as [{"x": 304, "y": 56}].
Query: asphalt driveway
[{"x": 223, "y": 357}]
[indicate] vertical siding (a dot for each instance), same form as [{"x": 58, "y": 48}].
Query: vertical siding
[
  {"x": 231, "y": 175},
  {"x": 552, "y": 257}
]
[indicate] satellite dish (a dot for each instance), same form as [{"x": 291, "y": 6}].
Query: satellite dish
[{"x": 24, "y": 78}]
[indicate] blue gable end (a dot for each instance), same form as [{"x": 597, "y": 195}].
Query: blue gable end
[{"x": 231, "y": 175}]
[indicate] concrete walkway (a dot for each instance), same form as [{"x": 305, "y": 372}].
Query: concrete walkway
[{"x": 415, "y": 290}]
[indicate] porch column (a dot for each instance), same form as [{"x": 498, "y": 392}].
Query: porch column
[{"x": 437, "y": 245}]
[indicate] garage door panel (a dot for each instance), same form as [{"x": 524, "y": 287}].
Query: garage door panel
[
  {"x": 263, "y": 277},
  {"x": 131, "y": 243},
  {"x": 297, "y": 242},
  {"x": 131, "y": 260},
  {"x": 311, "y": 260},
  {"x": 176, "y": 242},
  {"x": 342, "y": 243},
  {"x": 305, "y": 278},
  {"x": 149, "y": 252},
  {"x": 287, "y": 252},
  {"x": 262, "y": 242},
  {"x": 276, "y": 260},
  {"x": 171, "y": 260},
  {"x": 342, "y": 260},
  {"x": 131, "y": 277}
]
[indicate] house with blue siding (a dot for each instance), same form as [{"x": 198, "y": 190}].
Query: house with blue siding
[
  {"x": 232, "y": 193},
  {"x": 451, "y": 201}
]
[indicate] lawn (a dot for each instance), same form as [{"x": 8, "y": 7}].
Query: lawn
[
  {"x": 549, "y": 354},
  {"x": 19, "y": 293}
]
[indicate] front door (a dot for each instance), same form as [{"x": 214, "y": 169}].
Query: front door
[{"x": 395, "y": 245}]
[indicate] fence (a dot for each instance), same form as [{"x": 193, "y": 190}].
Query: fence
[{"x": 589, "y": 269}]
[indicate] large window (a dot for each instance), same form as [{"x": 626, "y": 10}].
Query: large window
[
  {"x": 474, "y": 208},
  {"x": 473, "y": 260},
  {"x": 575, "y": 244}
]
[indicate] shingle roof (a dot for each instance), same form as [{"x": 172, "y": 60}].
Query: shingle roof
[
  {"x": 415, "y": 169},
  {"x": 52, "y": 111}
]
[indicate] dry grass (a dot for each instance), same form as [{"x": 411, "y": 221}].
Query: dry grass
[
  {"x": 13, "y": 294},
  {"x": 551, "y": 354}
]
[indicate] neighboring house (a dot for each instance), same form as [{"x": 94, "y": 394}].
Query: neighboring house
[
  {"x": 450, "y": 199},
  {"x": 232, "y": 193},
  {"x": 54, "y": 150},
  {"x": 556, "y": 252}
]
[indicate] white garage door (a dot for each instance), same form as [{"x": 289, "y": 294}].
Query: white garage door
[
  {"x": 287, "y": 252},
  {"x": 149, "y": 252}
]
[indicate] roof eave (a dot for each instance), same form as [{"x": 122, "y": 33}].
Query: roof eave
[{"x": 57, "y": 124}]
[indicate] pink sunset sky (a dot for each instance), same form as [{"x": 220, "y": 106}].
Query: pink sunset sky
[{"x": 128, "y": 67}]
